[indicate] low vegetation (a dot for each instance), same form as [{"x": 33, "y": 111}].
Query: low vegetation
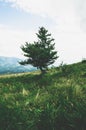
[{"x": 54, "y": 101}]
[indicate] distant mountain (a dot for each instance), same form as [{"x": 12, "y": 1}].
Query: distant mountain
[{"x": 11, "y": 65}]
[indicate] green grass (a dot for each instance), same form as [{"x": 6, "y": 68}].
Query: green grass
[{"x": 54, "y": 101}]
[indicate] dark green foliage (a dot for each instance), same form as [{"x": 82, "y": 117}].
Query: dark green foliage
[
  {"x": 84, "y": 60},
  {"x": 47, "y": 102},
  {"x": 40, "y": 54}
]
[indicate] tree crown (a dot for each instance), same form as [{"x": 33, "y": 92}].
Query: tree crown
[{"x": 40, "y": 54}]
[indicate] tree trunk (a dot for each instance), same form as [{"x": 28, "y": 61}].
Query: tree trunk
[{"x": 43, "y": 71}]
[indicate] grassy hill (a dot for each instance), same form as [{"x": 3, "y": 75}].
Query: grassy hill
[{"x": 54, "y": 101}]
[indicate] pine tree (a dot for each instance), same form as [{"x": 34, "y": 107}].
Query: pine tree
[{"x": 40, "y": 54}]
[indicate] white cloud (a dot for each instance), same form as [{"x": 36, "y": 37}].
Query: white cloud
[
  {"x": 80, "y": 6},
  {"x": 62, "y": 12},
  {"x": 72, "y": 47},
  {"x": 70, "y": 39},
  {"x": 11, "y": 40}
]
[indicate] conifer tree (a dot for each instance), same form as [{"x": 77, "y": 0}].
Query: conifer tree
[{"x": 40, "y": 54}]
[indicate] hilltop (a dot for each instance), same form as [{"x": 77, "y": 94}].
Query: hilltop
[{"x": 54, "y": 101}]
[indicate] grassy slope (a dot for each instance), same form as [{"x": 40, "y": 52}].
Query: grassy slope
[{"x": 54, "y": 101}]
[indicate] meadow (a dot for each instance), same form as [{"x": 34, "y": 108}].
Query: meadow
[{"x": 53, "y": 101}]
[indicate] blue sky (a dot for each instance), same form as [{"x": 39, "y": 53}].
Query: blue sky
[
  {"x": 17, "y": 18},
  {"x": 65, "y": 20}
]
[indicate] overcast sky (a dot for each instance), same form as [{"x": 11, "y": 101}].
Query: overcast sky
[{"x": 64, "y": 19}]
